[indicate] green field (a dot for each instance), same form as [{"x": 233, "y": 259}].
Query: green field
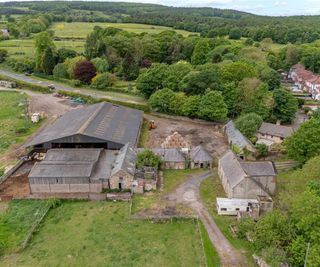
[
  {"x": 15, "y": 128},
  {"x": 25, "y": 47},
  {"x": 102, "y": 234},
  {"x": 82, "y": 29}
]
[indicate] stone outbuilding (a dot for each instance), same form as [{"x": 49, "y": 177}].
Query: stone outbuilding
[
  {"x": 200, "y": 158},
  {"x": 123, "y": 171},
  {"x": 244, "y": 179},
  {"x": 274, "y": 132},
  {"x": 236, "y": 138}
]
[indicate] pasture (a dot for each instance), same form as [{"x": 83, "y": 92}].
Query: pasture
[
  {"x": 80, "y": 30},
  {"x": 102, "y": 234},
  {"x": 15, "y": 128},
  {"x": 25, "y": 47}
]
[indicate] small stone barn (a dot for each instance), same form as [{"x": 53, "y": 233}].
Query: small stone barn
[
  {"x": 246, "y": 180},
  {"x": 103, "y": 125},
  {"x": 172, "y": 158},
  {"x": 274, "y": 132},
  {"x": 200, "y": 158},
  {"x": 72, "y": 171}
]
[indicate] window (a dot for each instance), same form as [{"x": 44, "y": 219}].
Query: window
[
  {"x": 237, "y": 209},
  {"x": 223, "y": 209}
]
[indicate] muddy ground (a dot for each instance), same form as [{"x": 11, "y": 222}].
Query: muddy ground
[{"x": 209, "y": 135}]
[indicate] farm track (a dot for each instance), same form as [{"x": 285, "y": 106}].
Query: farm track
[
  {"x": 58, "y": 86},
  {"x": 188, "y": 193}
]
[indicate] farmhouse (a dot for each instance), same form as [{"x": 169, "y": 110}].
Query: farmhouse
[
  {"x": 102, "y": 125},
  {"x": 244, "y": 179},
  {"x": 236, "y": 138},
  {"x": 273, "y": 132}
]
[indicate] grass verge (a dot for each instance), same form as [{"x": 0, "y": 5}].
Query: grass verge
[{"x": 210, "y": 189}]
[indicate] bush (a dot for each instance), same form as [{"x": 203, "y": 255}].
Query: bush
[
  {"x": 101, "y": 64},
  {"x": 3, "y": 55},
  {"x": 149, "y": 159},
  {"x": 84, "y": 71},
  {"x": 262, "y": 150},
  {"x": 102, "y": 81},
  {"x": 22, "y": 64},
  {"x": 1, "y": 173},
  {"x": 60, "y": 71}
]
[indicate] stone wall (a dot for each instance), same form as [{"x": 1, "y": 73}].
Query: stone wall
[
  {"x": 65, "y": 188},
  {"x": 122, "y": 178},
  {"x": 275, "y": 139},
  {"x": 173, "y": 165}
]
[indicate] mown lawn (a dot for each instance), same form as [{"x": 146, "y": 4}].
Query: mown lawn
[
  {"x": 16, "y": 221},
  {"x": 102, "y": 234},
  {"x": 210, "y": 189},
  {"x": 15, "y": 128},
  {"x": 80, "y": 30}
]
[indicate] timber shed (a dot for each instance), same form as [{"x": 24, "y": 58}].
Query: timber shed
[{"x": 102, "y": 125}]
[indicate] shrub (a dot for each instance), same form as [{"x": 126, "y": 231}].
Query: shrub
[
  {"x": 103, "y": 80},
  {"x": 262, "y": 150},
  {"x": 149, "y": 159},
  {"x": 101, "y": 64},
  {"x": 84, "y": 71},
  {"x": 3, "y": 55},
  {"x": 60, "y": 71}
]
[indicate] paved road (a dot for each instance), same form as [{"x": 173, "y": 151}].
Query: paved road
[
  {"x": 58, "y": 86},
  {"x": 188, "y": 193}
]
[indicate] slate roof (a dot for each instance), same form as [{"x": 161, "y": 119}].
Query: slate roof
[
  {"x": 275, "y": 130},
  {"x": 263, "y": 168},
  {"x": 236, "y": 170},
  {"x": 103, "y": 121},
  {"x": 232, "y": 168},
  {"x": 236, "y": 137},
  {"x": 200, "y": 154},
  {"x": 167, "y": 154},
  {"x": 125, "y": 160}
]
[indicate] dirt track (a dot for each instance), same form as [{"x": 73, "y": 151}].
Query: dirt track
[{"x": 188, "y": 193}]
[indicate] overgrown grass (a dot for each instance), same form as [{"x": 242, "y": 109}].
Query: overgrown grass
[
  {"x": 212, "y": 256},
  {"x": 17, "y": 221},
  {"x": 15, "y": 127},
  {"x": 210, "y": 189},
  {"x": 144, "y": 133},
  {"x": 102, "y": 234},
  {"x": 80, "y": 30},
  {"x": 172, "y": 178}
]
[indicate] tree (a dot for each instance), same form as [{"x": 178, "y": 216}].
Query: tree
[
  {"x": 147, "y": 158},
  {"x": 151, "y": 79},
  {"x": 285, "y": 105},
  {"x": 237, "y": 71},
  {"x": 64, "y": 53},
  {"x": 101, "y": 64},
  {"x": 305, "y": 142},
  {"x": 271, "y": 77},
  {"x": 176, "y": 72},
  {"x": 196, "y": 82},
  {"x": 60, "y": 71},
  {"x": 190, "y": 107},
  {"x": 129, "y": 67},
  {"x": 162, "y": 100},
  {"x": 235, "y": 34},
  {"x": 42, "y": 42},
  {"x": 248, "y": 124},
  {"x": 262, "y": 150},
  {"x": 3, "y": 55},
  {"x": 70, "y": 64},
  {"x": 84, "y": 71},
  {"x": 48, "y": 61},
  {"x": 266, "y": 44},
  {"x": 103, "y": 80},
  {"x": 212, "y": 107},
  {"x": 200, "y": 52}
]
